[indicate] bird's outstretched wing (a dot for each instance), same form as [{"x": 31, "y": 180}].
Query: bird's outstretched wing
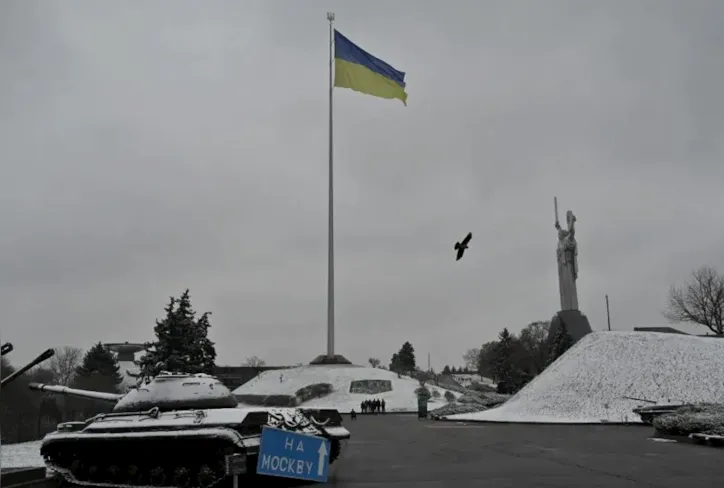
[
  {"x": 460, "y": 253},
  {"x": 467, "y": 238}
]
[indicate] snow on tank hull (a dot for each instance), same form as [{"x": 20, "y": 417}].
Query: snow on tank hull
[{"x": 183, "y": 448}]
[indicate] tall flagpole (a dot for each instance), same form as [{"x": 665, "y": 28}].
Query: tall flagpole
[{"x": 330, "y": 230}]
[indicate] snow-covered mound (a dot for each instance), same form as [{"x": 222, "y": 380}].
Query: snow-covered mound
[
  {"x": 24, "y": 454},
  {"x": 588, "y": 383},
  {"x": 342, "y": 387},
  {"x": 469, "y": 403}
]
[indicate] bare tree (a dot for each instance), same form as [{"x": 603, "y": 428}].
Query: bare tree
[
  {"x": 63, "y": 364},
  {"x": 699, "y": 301},
  {"x": 374, "y": 362},
  {"x": 533, "y": 341},
  {"x": 486, "y": 360},
  {"x": 422, "y": 376},
  {"x": 471, "y": 359},
  {"x": 255, "y": 362}
]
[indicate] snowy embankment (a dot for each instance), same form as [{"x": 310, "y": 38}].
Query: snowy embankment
[
  {"x": 590, "y": 382},
  {"x": 466, "y": 380},
  {"x": 471, "y": 402},
  {"x": 24, "y": 454},
  {"x": 342, "y": 387},
  {"x": 693, "y": 419}
]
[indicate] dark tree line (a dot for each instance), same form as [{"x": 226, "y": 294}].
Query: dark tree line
[
  {"x": 513, "y": 360},
  {"x": 459, "y": 370},
  {"x": 181, "y": 345},
  {"x": 26, "y": 415}
]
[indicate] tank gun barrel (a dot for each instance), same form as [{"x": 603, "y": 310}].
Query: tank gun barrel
[
  {"x": 64, "y": 390},
  {"x": 45, "y": 355},
  {"x": 6, "y": 348},
  {"x": 638, "y": 399}
]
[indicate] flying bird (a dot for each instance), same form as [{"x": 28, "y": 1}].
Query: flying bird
[{"x": 461, "y": 246}]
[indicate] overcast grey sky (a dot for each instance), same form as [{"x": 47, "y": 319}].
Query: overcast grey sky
[{"x": 149, "y": 146}]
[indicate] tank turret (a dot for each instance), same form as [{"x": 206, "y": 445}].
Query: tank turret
[
  {"x": 6, "y": 348},
  {"x": 167, "y": 391},
  {"x": 43, "y": 357},
  {"x": 174, "y": 430}
]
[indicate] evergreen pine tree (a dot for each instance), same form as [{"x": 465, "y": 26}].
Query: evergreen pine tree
[
  {"x": 99, "y": 370},
  {"x": 446, "y": 369},
  {"x": 504, "y": 367},
  {"x": 395, "y": 362},
  {"x": 561, "y": 342},
  {"x": 407, "y": 357},
  {"x": 182, "y": 343}
]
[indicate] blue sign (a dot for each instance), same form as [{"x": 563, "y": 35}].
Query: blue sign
[{"x": 291, "y": 455}]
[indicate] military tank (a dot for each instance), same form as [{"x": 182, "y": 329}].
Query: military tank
[
  {"x": 650, "y": 413},
  {"x": 174, "y": 429}
]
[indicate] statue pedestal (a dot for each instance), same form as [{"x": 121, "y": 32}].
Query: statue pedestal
[
  {"x": 336, "y": 359},
  {"x": 576, "y": 324}
]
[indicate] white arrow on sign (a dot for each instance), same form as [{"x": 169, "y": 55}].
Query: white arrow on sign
[{"x": 322, "y": 454}]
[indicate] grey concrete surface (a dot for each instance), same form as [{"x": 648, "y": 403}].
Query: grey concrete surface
[{"x": 402, "y": 451}]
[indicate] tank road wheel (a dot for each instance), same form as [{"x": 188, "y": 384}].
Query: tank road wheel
[{"x": 182, "y": 477}]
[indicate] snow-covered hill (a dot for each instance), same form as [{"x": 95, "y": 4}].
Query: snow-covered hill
[
  {"x": 589, "y": 383},
  {"x": 345, "y": 380}
]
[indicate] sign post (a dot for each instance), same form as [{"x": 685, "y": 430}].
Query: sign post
[
  {"x": 235, "y": 465},
  {"x": 290, "y": 455}
]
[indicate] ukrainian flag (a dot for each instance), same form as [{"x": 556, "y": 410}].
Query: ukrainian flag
[{"x": 358, "y": 70}]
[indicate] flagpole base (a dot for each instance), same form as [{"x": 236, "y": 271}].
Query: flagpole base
[{"x": 324, "y": 359}]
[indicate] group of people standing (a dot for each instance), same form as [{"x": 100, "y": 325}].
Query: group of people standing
[
  {"x": 369, "y": 406},
  {"x": 372, "y": 406}
]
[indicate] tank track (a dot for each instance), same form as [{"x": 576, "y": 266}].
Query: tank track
[{"x": 197, "y": 462}]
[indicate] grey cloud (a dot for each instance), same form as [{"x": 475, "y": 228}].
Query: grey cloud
[{"x": 151, "y": 146}]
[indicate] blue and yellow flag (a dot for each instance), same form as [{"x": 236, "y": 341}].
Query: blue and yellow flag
[{"x": 358, "y": 70}]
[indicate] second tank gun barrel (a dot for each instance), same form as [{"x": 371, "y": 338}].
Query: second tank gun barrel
[
  {"x": 65, "y": 390},
  {"x": 42, "y": 357}
]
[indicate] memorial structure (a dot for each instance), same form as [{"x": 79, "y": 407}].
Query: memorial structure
[{"x": 567, "y": 258}]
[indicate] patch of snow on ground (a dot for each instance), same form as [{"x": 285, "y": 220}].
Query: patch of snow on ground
[
  {"x": 468, "y": 379},
  {"x": 401, "y": 399},
  {"x": 587, "y": 383},
  {"x": 24, "y": 454}
]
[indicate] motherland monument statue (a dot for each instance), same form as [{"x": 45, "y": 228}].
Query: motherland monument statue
[{"x": 567, "y": 259}]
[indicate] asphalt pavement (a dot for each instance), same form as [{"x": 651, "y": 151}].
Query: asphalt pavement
[{"x": 402, "y": 451}]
